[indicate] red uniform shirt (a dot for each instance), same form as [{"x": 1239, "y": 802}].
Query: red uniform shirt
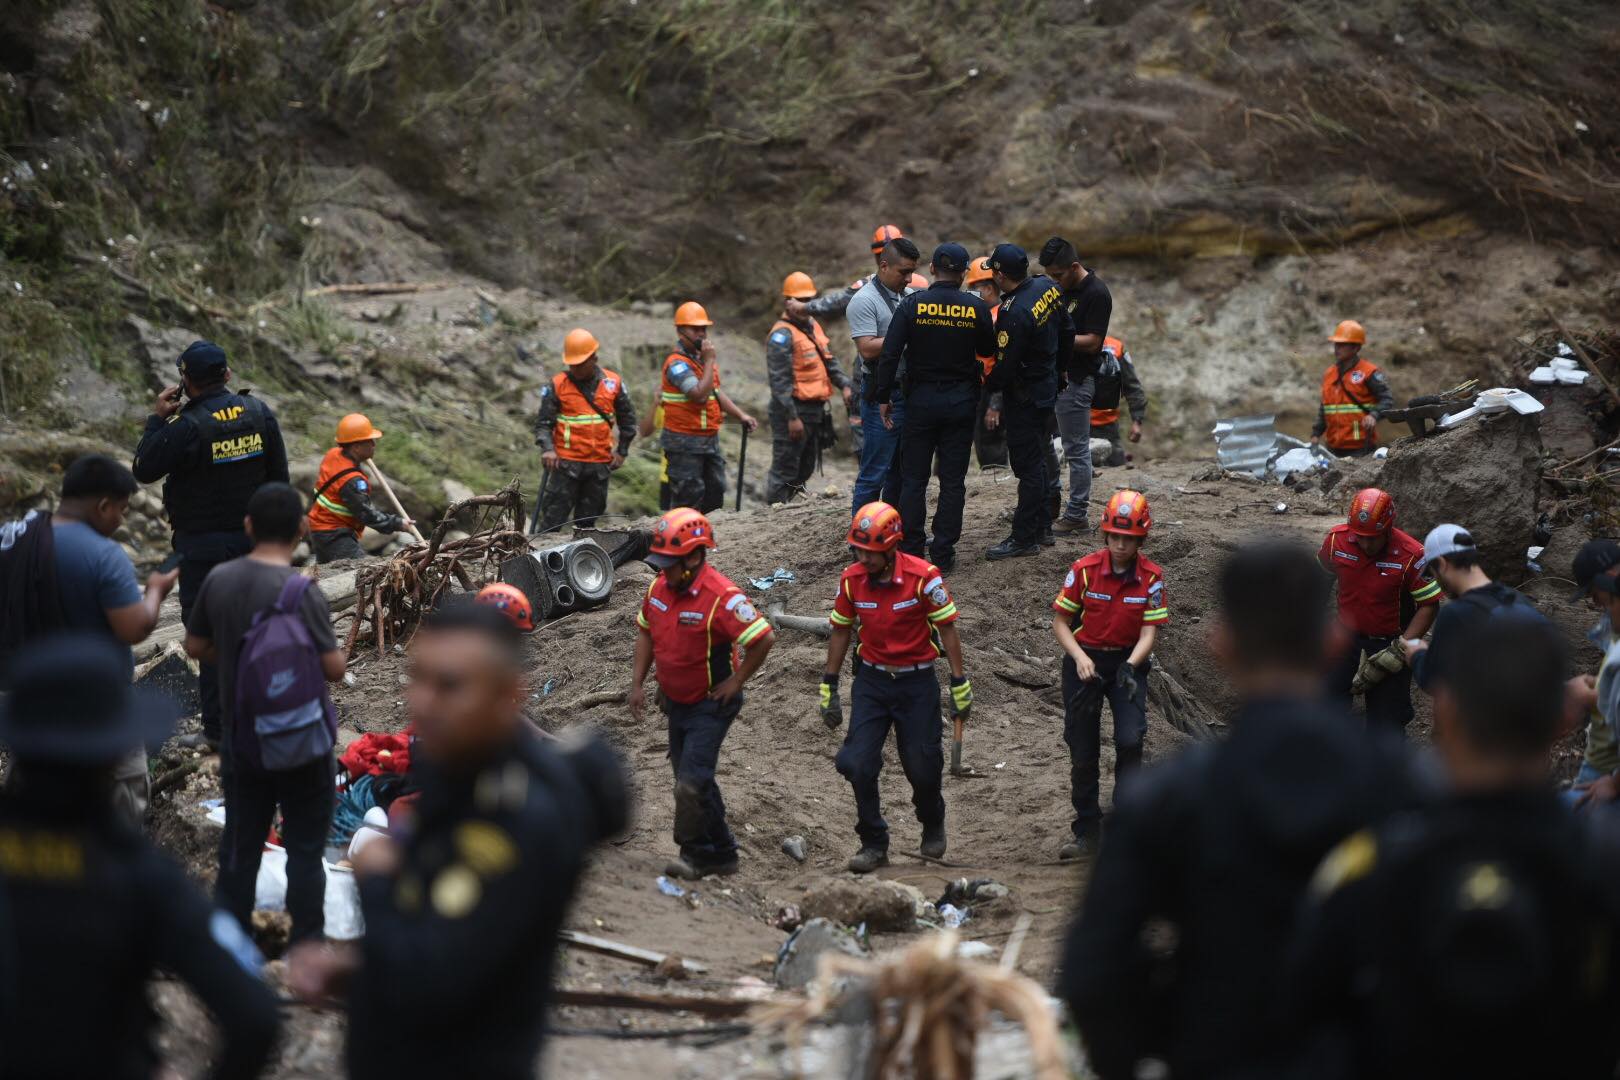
[
  {"x": 695, "y": 635},
  {"x": 1110, "y": 609},
  {"x": 1371, "y": 586},
  {"x": 895, "y": 619}
]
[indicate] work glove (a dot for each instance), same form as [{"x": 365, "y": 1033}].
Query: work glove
[
  {"x": 961, "y": 696},
  {"x": 1126, "y": 679},
  {"x": 1378, "y": 666},
  {"x": 831, "y": 708}
]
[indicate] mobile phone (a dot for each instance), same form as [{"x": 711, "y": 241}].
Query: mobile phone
[{"x": 170, "y": 563}]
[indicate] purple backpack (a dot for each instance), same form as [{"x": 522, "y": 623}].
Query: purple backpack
[{"x": 284, "y": 716}]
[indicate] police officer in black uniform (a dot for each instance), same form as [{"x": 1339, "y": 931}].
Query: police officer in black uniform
[
  {"x": 1034, "y": 338},
  {"x": 212, "y": 452},
  {"x": 938, "y": 333},
  {"x": 89, "y": 910},
  {"x": 1478, "y": 935},
  {"x": 454, "y": 973}
]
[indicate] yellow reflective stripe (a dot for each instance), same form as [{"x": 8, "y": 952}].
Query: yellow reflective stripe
[
  {"x": 1156, "y": 615},
  {"x": 1066, "y": 604},
  {"x": 641, "y": 621},
  {"x": 943, "y": 613},
  {"x": 576, "y": 419},
  {"x": 1431, "y": 589},
  {"x": 675, "y": 399},
  {"x": 840, "y": 620},
  {"x": 1342, "y": 408},
  {"x": 337, "y": 508},
  {"x": 755, "y": 629}
]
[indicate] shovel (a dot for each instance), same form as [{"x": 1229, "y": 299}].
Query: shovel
[{"x": 957, "y": 768}]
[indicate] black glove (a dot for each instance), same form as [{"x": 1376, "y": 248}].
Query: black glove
[
  {"x": 832, "y": 707},
  {"x": 1127, "y": 680}
]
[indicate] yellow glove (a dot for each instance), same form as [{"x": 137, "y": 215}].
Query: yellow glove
[
  {"x": 961, "y": 696},
  {"x": 831, "y": 707}
]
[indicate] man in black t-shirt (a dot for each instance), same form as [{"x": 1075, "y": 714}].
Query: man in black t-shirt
[
  {"x": 1449, "y": 553},
  {"x": 1089, "y": 304}
]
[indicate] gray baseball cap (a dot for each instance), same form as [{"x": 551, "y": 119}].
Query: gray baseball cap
[{"x": 1444, "y": 540}]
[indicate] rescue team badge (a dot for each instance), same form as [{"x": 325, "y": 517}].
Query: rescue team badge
[{"x": 1001, "y": 339}]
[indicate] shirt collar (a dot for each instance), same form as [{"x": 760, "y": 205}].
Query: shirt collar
[{"x": 1132, "y": 574}]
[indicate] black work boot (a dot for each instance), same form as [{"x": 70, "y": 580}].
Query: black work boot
[
  {"x": 868, "y": 859},
  {"x": 688, "y": 870},
  {"x": 1011, "y": 549},
  {"x": 1083, "y": 846},
  {"x": 933, "y": 841}
]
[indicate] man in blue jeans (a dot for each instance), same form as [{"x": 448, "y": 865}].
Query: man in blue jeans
[{"x": 869, "y": 313}]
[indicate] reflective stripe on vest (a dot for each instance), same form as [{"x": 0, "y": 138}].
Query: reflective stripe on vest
[
  {"x": 1348, "y": 425},
  {"x": 682, "y": 415},
  {"x": 580, "y": 433},
  {"x": 810, "y": 379}
]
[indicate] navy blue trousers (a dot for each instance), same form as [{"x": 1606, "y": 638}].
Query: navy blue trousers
[
  {"x": 909, "y": 704},
  {"x": 1082, "y": 731},
  {"x": 695, "y": 734}
]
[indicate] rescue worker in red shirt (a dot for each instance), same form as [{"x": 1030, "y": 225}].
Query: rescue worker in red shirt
[
  {"x": 582, "y": 411},
  {"x": 1354, "y": 394},
  {"x": 342, "y": 507},
  {"x": 1107, "y": 618},
  {"x": 693, "y": 404},
  {"x": 1382, "y": 584},
  {"x": 902, "y": 618},
  {"x": 693, "y": 622},
  {"x": 803, "y": 373},
  {"x": 989, "y": 442}
]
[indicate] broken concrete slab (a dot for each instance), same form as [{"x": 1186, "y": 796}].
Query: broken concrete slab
[{"x": 800, "y": 957}]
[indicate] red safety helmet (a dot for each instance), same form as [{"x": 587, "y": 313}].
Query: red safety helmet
[
  {"x": 875, "y": 527},
  {"x": 510, "y": 601},
  {"x": 680, "y": 532},
  {"x": 1127, "y": 514},
  {"x": 1372, "y": 512}
]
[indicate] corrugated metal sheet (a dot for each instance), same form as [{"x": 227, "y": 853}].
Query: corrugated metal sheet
[{"x": 1245, "y": 443}]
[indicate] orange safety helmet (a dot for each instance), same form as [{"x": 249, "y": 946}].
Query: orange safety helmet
[
  {"x": 882, "y": 235},
  {"x": 579, "y": 346},
  {"x": 875, "y": 527},
  {"x": 355, "y": 428},
  {"x": 510, "y": 601},
  {"x": 978, "y": 270},
  {"x": 679, "y": 532},
  {"x": 691, "y": 313},
  {"x": 1349, "y": 332},
  {"x": 1372, "y": 512},
  {"x": 918, "y": 282},
  {"x": 1127, "y": 514},
  {"x": 799, "y": 286}
]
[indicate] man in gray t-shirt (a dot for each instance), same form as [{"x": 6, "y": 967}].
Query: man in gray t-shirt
[
  {"x": 868, "y": 314},
  {"x": 231, "y": 596}
]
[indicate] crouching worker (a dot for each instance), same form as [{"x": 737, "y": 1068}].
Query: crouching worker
[
  {"x": 692, "y": 622},
  {"x": 1107, "y": 620},
  {"x": 342, "y": 507},
  {"x": 89, "y": 910},
  {"x": 902, "y": 618},
  {"x": 454, "y": 973}
]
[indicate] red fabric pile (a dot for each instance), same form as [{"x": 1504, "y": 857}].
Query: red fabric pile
[{"x": 375, "y": 754}]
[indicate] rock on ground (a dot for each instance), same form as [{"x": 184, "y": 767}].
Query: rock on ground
[
  {"x": 800, "y": 958},
  {"x": 881, "y": 905},
  {"x": 1483, "y": 475}
]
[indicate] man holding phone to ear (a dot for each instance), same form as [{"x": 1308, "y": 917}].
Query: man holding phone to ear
[{"x": 212, "y": 452}]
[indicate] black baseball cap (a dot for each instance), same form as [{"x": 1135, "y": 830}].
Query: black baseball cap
[
  {"x": 1058, "y": 252},
  {"x": 202, "y": 359},
  {"x": 1591, "y": 566},
  {"x": 1009, "y": 259},
  {"x": 72, "y": 703},
  {"x": 951, "y": 256}
]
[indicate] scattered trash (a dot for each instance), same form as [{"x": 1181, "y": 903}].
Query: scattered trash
[
  {"x": 1381, "y": 453},
  {"x": 975, "y": 950},
  {"x": 376, "y": 824},
  {"x": 964, "y": 891},
  {"x": 1250, "y": 446},
  {"x": 787, "y": 917},
  {"x": 343, "y": 919},
  {"x": 1001, "y": 764},
  {"x": 668, "y": 887},
  {"x": 1280, "y": 508},
  {"x": 1561, "y": 371},
  {"x": 793, "y": 848},
  {"x": 1301, "y": 459},
  {"x": 780, "y": 576},
  {"x": 953, "y": 916}
]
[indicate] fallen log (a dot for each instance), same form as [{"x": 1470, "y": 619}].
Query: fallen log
[
  {"x": 612, "y": 948},
  {"x": 337, "y": 588},
  {"x": 778, "y": 617},
  {"x": 692, "y": 1003}
]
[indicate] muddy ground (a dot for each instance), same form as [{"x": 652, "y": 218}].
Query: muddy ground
[{"x": 777, "y": 769}]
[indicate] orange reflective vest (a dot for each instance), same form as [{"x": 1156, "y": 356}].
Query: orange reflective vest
[
  {"x": 582, "y": 433},
  {"x": 682, "y": 416},
  {"x": 810, "y": 379},
  {"x": 1346, "y": 399},
  {"x": 990, "y": 361},
  {"x": 327, "y": 513},
  {"x": 1110, "y": 393}
]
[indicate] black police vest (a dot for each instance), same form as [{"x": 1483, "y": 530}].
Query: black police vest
[
  {"x": 210, "y": 491},
  {"x": 1109, "y": 382}
]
